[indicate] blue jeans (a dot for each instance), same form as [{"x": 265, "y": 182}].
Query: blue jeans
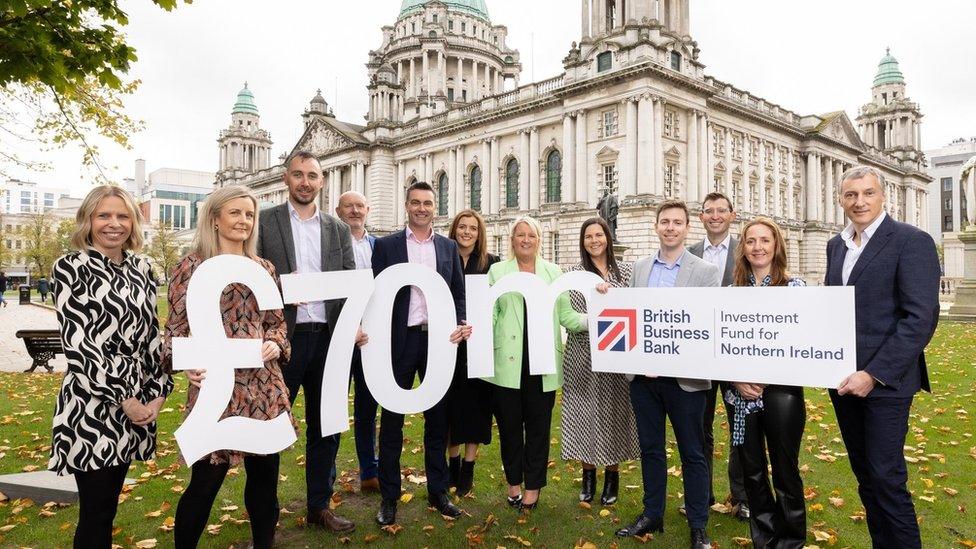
[
  {"x": 364, "y": 415},
  {"x": 653, "y": 400}
]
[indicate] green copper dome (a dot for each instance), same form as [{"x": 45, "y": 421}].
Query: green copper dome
[
  {"x": 476, "y": 8},
  {"x": 888, "y": 71},
  {"x": 245, "y": 102}
]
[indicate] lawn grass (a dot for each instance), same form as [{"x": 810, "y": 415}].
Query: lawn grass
[{"x": 940, "y": 448}]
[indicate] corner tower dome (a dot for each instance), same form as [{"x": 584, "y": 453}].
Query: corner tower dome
[
  {"x": 245, "y": 102},
  {"x": 476, "y": 8},
  {"x": 888, "y": 71}
]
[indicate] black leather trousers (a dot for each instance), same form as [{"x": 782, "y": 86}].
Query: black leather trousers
[{"x": 778, "y": 514}]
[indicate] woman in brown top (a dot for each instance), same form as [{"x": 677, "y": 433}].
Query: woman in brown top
[{"x": 227, "y": 226}]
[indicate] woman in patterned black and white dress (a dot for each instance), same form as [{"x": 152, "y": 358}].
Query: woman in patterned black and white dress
[
  {"x": 105, "y": 415},
  {"x": 597, "y": 419}
]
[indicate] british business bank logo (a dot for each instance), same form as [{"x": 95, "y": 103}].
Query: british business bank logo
[{"x": 617, "y": 330}]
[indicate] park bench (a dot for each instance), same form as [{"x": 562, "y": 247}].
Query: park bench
[{"x": 42, "y": 345}]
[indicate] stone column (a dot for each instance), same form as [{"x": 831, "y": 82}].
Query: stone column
[
  {"x": 839, "y": 168},
  {"x": 790, "y": 185},
  {"x": 585, "y": 25},
  {"x": 442, "y": 67},
  {"x": 777, "y": 194},
  {"x": 568, "y": 191},
  {"x": 430, "y": 168},
  {"x": 425, "y": 78},
  {"x": 705, "y": 172},
  {"x": 475, "y": 87},
  {"x": 400, "y": 190},
  {"x": 727, "y": 133},
  {"x": 829, "y": 210},
  {"x": 524, "y": 170},
  {"x": 413, "y": 79},
  {"x": 762, "y": 179},
  {"x": 486, "y": 178},
  {"x": 691, "y": 190},
  {"x": 957, "y": 185},
  {"x": 491, "y": 176},
  {"x": 812, "y": 188},
  {"x": 633, "y": 161},
  {"x": 582, "y": 175},
  {"x": 458, "y": 79},
  {"x": 618, "y": 14},
  {"x": 534, "y": 170},
  {"x": 487, "y": 79},
  {"x": 422, "y": 168},
  {"x": 657, "y": 146},
  {"x": 460, "y": 195},
  {"x": 451, "y": 181}
]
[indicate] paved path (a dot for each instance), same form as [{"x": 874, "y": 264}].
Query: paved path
[{"x": 13, "y": 317}]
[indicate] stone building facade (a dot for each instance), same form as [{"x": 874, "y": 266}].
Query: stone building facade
[{"x": 634, "y": 112}]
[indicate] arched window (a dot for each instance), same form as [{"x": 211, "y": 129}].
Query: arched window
[
  {"x": 554, "y": 180},
  {"x": 476, "y": 188},
  {"x": 512, "y": 184},
  {"x": 442, "y": 195}
]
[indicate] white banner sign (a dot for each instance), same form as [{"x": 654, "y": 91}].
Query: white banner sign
[{"x": 771, "y": 335}]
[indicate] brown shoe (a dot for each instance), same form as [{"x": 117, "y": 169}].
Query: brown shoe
[
  {"x": 330, "y": 521},
  {"x": 369, "y": 486}
]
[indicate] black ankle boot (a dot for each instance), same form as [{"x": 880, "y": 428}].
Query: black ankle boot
[
  {"x": 611, "y": 483},
  {"x": 453, "y": 471},
  {"x": 465, "y": 478},
  {"x": 589, "y": 485}
]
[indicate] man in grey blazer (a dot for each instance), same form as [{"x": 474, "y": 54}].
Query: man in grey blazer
[
  {"x": 298, "y": 238},
  {"x": 718, "y": 248},
  {"x": 682, "y": 400}
]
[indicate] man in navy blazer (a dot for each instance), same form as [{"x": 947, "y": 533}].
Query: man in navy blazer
[
  {"x": 894, "y": 269},
  {"x": 417, "y": 243}
]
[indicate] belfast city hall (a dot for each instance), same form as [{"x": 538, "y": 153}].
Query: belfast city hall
[{"x": 634, "y": 113}]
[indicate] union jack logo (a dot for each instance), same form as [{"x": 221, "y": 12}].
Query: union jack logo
[{"x": 619, "y": 331}]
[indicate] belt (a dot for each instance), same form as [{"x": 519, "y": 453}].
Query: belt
[
  {"x": 417, "y": 328},
  {"x": 311, "y": 327}
]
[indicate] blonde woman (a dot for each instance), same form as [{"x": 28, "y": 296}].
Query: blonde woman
[
  {"x": 523, "y": 402},
  {"x": 227, "y": 226},
  {"x": 105, "y": 415}
]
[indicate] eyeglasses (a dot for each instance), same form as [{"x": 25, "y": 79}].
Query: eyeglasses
[{"x": 720, "y": 211}]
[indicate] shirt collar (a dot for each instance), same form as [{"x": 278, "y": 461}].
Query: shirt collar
[
  {"x": 126, "y": 256},
  {"x": 412, "y": 236},
  {"x": 724, "y": 244},
  {"x": 848, "y": 233},
  {"x": 294, "y": 213},
  {"x": 677, "y": 262},
  {"x": 365, "y": 236}
]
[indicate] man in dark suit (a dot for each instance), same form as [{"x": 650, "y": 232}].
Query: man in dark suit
[
  {"x": 718, "y": 248},
  {"x": 297, "y": 238},
  {"x": 894, "y": 269},
  {"x": 417, "y": 243}
]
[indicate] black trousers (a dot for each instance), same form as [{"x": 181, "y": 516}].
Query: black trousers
[
  {"x": 778, "y": 521},
  {"x": 874, "y": 431},
  {"x": 364, "y": 420},
  {"x": 524, "y": 419},
  {"x": 413, "y": 362},
  {"x": 308, "y": 352},
  {"x": 98, "y": 500},
  {"x": 260, "y": 500},
  {"x": 736, "y": 485}
]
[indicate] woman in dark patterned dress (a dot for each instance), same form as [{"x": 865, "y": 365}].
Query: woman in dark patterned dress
[
  {"x": 105, "y": 415},
  {"x": 227, "y": 225},
  {"x": 597, "y": 418},
  {"x": 469, "y": 400}
]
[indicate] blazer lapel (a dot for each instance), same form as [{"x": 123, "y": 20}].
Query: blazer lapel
[
  {"x": 685, "y": 272},
  {"x": 284, "y": 228},
  {"x": 325, "y": 238},
  {"x": 836, "y": 275},
  {"x": 875, "y": 244},
  {"x": 729, "y": 262}
]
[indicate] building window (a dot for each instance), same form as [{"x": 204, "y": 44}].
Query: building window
[
  {"x": 442, "y": 194},
  {"x": 463, "y": 25},
  {"x": 717, "y": 184},
  {"x": 609, "y": 127},
  {"x": 737, "y": 148},
  {"x": 610, "y": 177},
  {"x": 450, "y": 94},
  {"x": 946, "y": 225},
  {"x": 671, "y": 128},
  {"x": 450, "y": 24},
  {"x": 754, "y": 152},
  {"x": 797, "y": 205},
  {"x": 718, "y": 142},
  {"x": 432, "y": 34},
  {"x": 554, "y": 166},
  {"x": 435, "y": 17},
  {"x": 784, "y": 204},
  {"x": 676, "y": 61},
  {"x": 753, "y": 197},
  {"x": 669, "y": 181},
  {"x": 946, "y": 183},
  {"x": 555, "y": 248},
  {"x": 413, "y": 28},
  {"x": 476, "y": 188},
  {"x": 769, "y": 205},
  {"x": 604, "y": 61},
  {"x": 512, "y": 184},
  {"x": 948, "y": 204},
  {"x": 768, "y": 151}
]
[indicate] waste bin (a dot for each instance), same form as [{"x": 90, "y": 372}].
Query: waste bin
[{"x": 24, "y": 294}]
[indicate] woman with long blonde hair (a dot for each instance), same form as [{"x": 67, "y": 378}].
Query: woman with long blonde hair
[
  {"x": 228, "y": 225},
  {"x": 105, "y": 415}
]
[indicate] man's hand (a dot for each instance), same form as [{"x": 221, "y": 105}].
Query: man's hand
[
  {"x": 361, "y": 337},
  {"x": 461, "y": 333},
  {"x": 749, "y": 391},
  {"x": 859, "y": 384}
]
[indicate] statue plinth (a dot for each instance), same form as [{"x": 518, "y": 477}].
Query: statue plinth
[
  {"x": 619, "y": 250},
  {"x": 964, "y": 306}
]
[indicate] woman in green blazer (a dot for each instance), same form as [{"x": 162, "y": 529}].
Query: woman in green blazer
[{"x": 523, "y": 402}]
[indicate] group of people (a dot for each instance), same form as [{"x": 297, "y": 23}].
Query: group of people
[{"x": 120, "y": 365}]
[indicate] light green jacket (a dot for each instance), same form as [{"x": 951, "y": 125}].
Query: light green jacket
[{"x": 509, "y": 319}]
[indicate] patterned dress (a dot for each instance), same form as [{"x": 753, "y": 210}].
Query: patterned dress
[
  {"x": 259, "y": 393},
  {"x": 107, "y": 315},
  {"x": 597, "y": 418}
]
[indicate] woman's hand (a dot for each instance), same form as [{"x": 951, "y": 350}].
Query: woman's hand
[
  {"x": 749, "y": 391},
  {"x": 361, "y": 337},
  {"x": 270, "y": 351},
  {"x": 603, "y": 287},
  {"x": 196, "y": 376},
  {"x": 461, "y": 333},
  {"x": 137, "y": 412}
]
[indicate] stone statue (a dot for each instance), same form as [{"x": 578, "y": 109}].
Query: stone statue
[
  {"x": 968, "y": 181},
  {"x": 608, "y": 207}
]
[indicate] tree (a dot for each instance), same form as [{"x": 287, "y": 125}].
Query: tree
[
  {"x": 164, "y": 250},
  {"x": 40, "y": 249},
  {"x": 6, "y": 256},
  {"x": 61, "y": 75}
]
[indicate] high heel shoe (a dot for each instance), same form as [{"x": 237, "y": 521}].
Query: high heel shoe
[
  {"x": 611, "y": 484},
  {"x": 515, "y": 501},
  {"x": 589, "y": 486},
  {"x": 528, "y": 506}
]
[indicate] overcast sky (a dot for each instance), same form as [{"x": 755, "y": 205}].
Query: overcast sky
[{"x": 810, "y": 57}]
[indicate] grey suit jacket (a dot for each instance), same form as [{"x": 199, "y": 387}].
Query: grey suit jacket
[
  {"x": 277, "y": 245},
  {"x": 698, "y": 250},
  {"x": 695, "y": 272}
]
